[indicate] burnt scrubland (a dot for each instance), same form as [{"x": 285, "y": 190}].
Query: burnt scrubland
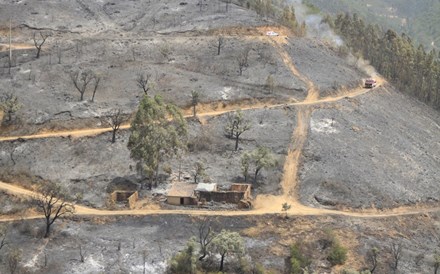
[{"x": 344, "y": 179}]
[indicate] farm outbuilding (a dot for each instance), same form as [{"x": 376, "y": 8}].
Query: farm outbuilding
[{"x": 182, "y": 194}]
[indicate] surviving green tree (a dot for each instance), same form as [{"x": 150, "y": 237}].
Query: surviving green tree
[
  {"x": 227, "y": 243},
  {"x": 158, "y": 131},
  {"x": 9, "y": 105},
  {"x": 258, "y": 159},
  {"x": 184, "y": 262}
]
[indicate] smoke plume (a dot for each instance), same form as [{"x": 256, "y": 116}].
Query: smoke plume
[{"x": 315, "y": 27}]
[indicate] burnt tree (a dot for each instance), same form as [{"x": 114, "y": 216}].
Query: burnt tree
[
  {"x": 142, "y": 81},
  {"x": 115, "y": 119},
  {"x": 220, "y": 44},
  {"x": 39, "y": 42},
  {"x": 95, "y": 86},
  {"x": 205, "y": 236},
  {"x": 81, "y": 80},
  {"x": 51, "y": 201}
]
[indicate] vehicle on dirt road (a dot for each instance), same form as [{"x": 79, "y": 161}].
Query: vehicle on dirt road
[
  {"x": 370, "y": 83},
  {"x": 272, "y": 33}
]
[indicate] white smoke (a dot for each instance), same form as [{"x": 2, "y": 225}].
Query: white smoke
[
  {"x": 318, "y": 30},
  {"x": 363, "y": 65},
  {"x": 315, "y": 27}
]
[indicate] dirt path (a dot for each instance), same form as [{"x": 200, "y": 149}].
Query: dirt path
[
  {"x": 292, "y": 161},
  {"x": 203, "y": 110}
]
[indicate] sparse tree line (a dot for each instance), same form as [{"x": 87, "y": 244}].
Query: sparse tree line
[
  {"x": 212, "y": 249},
  {"x": 209, "y": 251},
  {"x": 411, "y": 69},
  {"x": 159, "y": 132}
]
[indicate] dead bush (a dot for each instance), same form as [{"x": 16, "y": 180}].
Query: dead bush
[{"x": 201, "y": 142}]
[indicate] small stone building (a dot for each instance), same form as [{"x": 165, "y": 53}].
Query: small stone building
[
  {"x": 182, "y": 194},
  {"x": 128, "y": 197},
  {"x": 123, "y": 190}
]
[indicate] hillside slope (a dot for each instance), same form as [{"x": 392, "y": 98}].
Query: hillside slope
[{"x": 347, "y": 158}]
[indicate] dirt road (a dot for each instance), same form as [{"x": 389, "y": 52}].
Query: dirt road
[
  {"x": 273, "y": 203},
  {"x": 204, "y": 110}
]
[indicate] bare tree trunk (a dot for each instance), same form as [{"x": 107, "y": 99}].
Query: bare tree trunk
[
  {"x": 95, "y": 87},
  {"x": 256, "y": 175},
  {"x": 59, "y": 53},
  {"x": 221, "y": 262},
  {"x": 114, "y": 135},
  {"x": 220, "y": 42},
  {"x": 237, "y": 137},
  {"x": 12, "y": 156},
  {"x": 38, "y": 52},
  {"x": 81, "y": 254},
  {"x": 47, "y": 228}
]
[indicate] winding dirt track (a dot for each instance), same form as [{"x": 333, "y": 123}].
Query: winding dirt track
[
  {"x": 208, "y": 113},
  {"x": 264, "y": 204}
]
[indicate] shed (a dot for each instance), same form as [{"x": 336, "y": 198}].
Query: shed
[{"x": 182, "y": 194}]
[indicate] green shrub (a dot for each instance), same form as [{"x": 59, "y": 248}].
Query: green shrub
[
  {"x": 298, "y": 261},
  {"x": 259, "y": 269},
  {"x": 184, "y": 262},
  {"x": 337, "y": 254},
  {"x": 244, "y": 266}
]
